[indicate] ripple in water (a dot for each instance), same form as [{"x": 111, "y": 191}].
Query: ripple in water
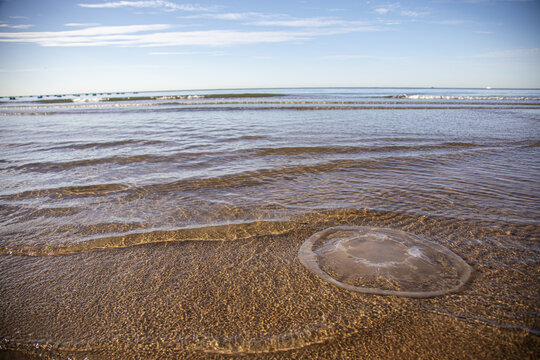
[{"x": 384, "y": 262}]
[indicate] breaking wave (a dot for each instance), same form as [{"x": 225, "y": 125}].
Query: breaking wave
[{"x": 453, "y": 97}]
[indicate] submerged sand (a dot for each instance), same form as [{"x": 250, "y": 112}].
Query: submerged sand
[{"x": 253, "y": 298}]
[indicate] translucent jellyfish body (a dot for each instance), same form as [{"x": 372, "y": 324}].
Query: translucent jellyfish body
[{"x": 384, "y": 262}]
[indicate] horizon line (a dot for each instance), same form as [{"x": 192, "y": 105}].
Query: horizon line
[{"x": 272, "y": 88}]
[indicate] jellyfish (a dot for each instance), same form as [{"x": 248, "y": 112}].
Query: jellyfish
[{"x": 383, "y": 262}]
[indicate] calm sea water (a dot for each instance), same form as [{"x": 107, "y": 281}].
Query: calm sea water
[{"x": 169, "y": 223}]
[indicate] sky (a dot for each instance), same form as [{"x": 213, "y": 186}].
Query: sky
[{"x": 74, "y": 46}]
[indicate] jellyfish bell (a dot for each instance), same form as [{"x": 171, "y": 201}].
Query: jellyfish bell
[{"x": 384, "y": 262}]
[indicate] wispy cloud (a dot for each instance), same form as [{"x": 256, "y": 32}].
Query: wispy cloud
[
  {"x": 280, "y": 20},
  {"x": 91, "y": 31},
  {"x": 385, "y": 9},
  {"x": 227, "y": 16},
  {"x": 81, "y": 24},
  {"x": 414, "y": 14},
  {"x": 88, "y": 36},
  {"x": 168, "y": 53},
  {"x": 153, "y": 35},
  {"x": 307, "y": 22},
  {"x": 21, "y": 26},
  {"x": 397, "y": 8},
  {"x": 156, "y": 4}
]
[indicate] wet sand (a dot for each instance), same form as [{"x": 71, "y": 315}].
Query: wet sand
[{"x": 252, "y": 298}]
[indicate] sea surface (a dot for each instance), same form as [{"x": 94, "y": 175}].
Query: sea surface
[{"x": 168, "y": 224}]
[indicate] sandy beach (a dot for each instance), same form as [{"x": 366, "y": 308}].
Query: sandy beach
[{"x": 252, "y": 297}]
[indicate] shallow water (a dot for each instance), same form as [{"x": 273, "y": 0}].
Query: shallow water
[{"x": 169, "y": 225}]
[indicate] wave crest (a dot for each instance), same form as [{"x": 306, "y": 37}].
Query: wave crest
[
  {"x": 227, "y": 232},
  {"x": 461, "y": 97}
]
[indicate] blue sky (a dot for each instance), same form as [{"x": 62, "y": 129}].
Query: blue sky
[{"x": 63, "y": 46}]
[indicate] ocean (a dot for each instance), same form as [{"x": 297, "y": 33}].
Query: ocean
[{"x": 168, "y": 224}]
